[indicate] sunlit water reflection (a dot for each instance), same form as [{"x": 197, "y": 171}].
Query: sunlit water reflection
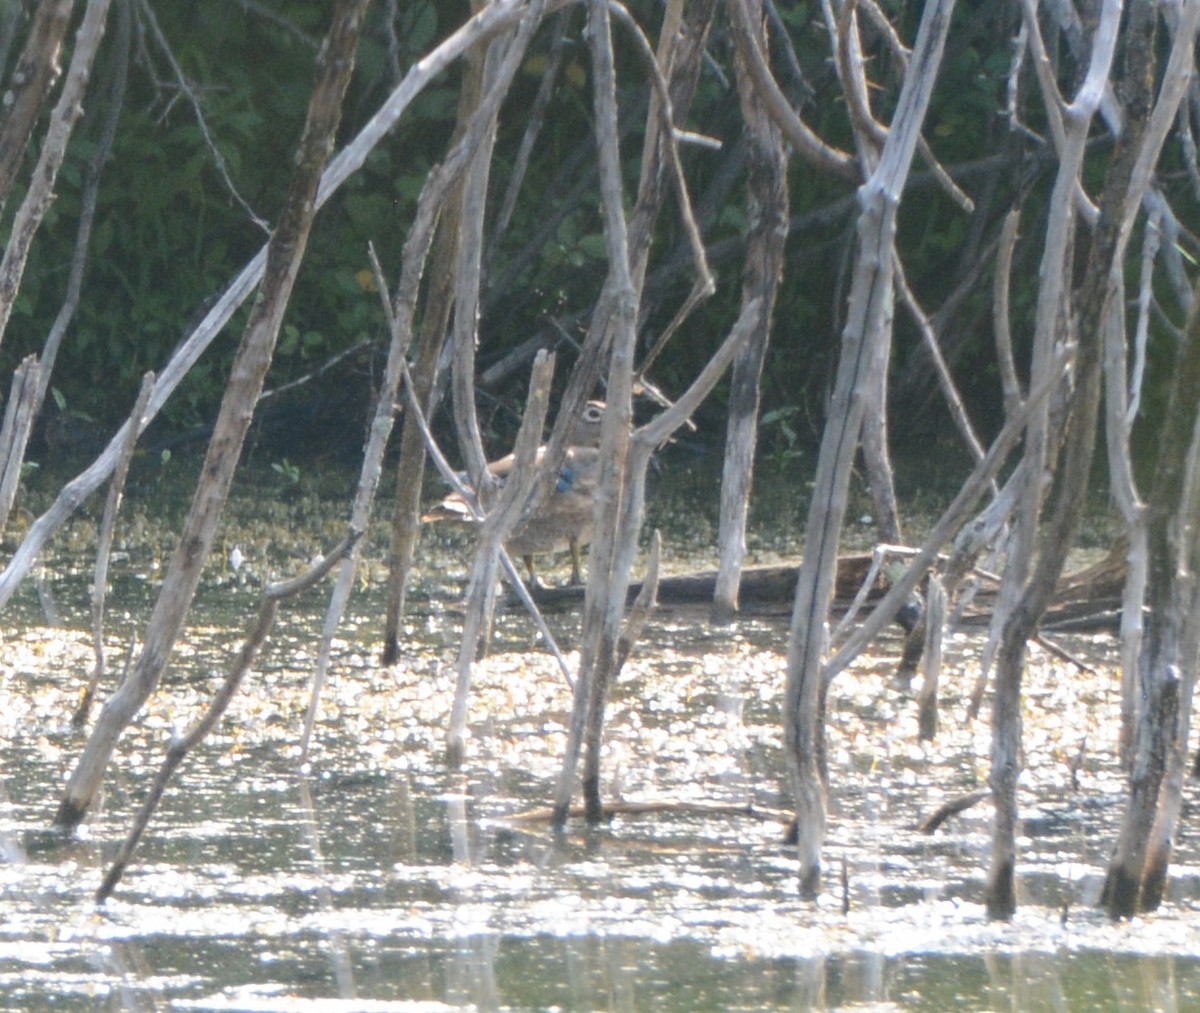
[{"x": 381, "y": 881}]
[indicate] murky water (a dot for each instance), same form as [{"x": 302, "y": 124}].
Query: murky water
[{"x": 378, "y": 880}]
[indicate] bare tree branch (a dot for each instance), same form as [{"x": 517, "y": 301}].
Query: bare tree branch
[{"x": 40, "y": 195}]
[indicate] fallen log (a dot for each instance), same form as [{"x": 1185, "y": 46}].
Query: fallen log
[
  {"x": 764, "y": 590},
  {"x": 1086, "y": 600}
]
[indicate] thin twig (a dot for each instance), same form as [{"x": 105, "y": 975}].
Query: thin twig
[
  {"x": 114, "y": 104},
  {"x": 533, "y": 127},
  {"x": 179, "y": 748},
  {"x": 189, "y": 92},
  {"x": 807, "y": 144},
  {"x": 112, "y": 504}
]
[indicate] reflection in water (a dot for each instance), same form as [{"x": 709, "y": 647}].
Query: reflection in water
[
  {"x": 339, "y": 958},
  {"x": 395, "y": 895}
]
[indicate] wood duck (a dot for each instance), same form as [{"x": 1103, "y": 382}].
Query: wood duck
[{"x": 565, "y": 519}]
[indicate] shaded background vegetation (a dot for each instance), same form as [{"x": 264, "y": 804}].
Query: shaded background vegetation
[{"x": 175, "y": 222}]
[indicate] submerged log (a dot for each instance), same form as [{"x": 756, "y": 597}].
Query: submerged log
[{"x": 655, "y": 807}]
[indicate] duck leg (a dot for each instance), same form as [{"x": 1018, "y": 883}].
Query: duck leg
[{"x": 576, "y": 573}]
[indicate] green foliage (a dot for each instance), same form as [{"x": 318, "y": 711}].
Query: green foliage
[
  {"x": 171, "y": 230},
  {"x": 288, "y": 472},
  {"x": 780, "y": 441}
]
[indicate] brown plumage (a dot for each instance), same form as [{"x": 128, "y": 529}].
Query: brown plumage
[{"x": 564, "y": 520}]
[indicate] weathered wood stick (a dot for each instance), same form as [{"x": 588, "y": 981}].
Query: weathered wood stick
[{"x": 179, "y": 748}]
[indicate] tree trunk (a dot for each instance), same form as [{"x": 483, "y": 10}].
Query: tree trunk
[
  {"x": 31, "y": 82},
  {"x": 869, "y": 310},
  {"x": 604, "y": 599},
  {"x": 1165, "y": 678},
  {"x": 767, "y": 200},
  {"x": 438, "y": 305},
  {"x": 1124, "y": 186},
  {"x": 284, "y": 254},
  {"x": 681, "y": 50},
  {"x": 1164, "y": 708}
]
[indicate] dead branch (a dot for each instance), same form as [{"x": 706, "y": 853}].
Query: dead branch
[
  {"x": 952, "y": 808},
  {"x": 422, "y": 384},
  {"x": 652, "y": 808},
  {"x": 284, "y": 254},
  {"x": 643, "y": 605},
  {"x": 19, "y": 413},
  {"x": 501, "y": 62},
  {"x": 607, "y": 569},
  {"x": 767, "y": 205},
  {"x": 935, "y": 628},
  {"x": 180, "y": 747},
  {"x": 866, "y": 329},
  {"x": 498, "y": 523},
  {"x": 112, "y": 504},
  {"x": 40, "y": 195},
  {"x": 33, "y": 78},
  {"x": 803, "y": 139},
  {"x": 494, "y": 17}
]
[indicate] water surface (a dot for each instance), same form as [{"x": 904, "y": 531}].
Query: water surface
[{"x": 375, "y": 879}]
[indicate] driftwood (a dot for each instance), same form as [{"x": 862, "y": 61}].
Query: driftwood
[
  {"x": 1088, "y": 598},
  {"x": 952, "y": 808},
  {"x": 764, "y": 590}
]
